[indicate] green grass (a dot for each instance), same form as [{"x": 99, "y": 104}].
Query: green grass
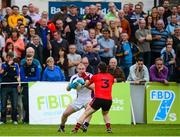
[{"x": 94, "y": 130}]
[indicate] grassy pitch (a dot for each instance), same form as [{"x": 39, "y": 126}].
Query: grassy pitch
[{"x": 94, "y": 130}]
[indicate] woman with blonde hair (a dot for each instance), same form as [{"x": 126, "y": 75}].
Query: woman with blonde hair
[{"x": 52, "y": 72}]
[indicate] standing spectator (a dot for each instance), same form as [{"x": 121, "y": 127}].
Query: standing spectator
[
  {"x": 98, "y": 30},
  {"x": 112, "y": 14},
  {"x": 44, "y": 33},
  {"x": 167, "y": 10},
  {"x": 138, "y": 72},
  {"x": 161, "y": 15},
  {"x": 176, "y": 38},
  {"x": 38, "y": 48},
  {"x": 18, "y": 43},
  {"x": 74, "y": 60},
  {"x": 115, "y": 71},
  {"x": 144, "y": 37},
  {"x": 63, "y": 62},
  {"x": 159, "y": 37},
  {"x": 80, "y": 36},
  {"x": 134, "y": 20},
  {"x": 29, "y": 72},
  {"x": 60, "y": 27},
  {"x": 171, "y": 26},
  {"x": 92, "y": 56},
  {"x": 124, "y": 23},
  {"x": 107, "y": 47},
  {"x": 57, "y": 43},
  {"x": 154, "y": 14},
  {"x": 29, "y": 21},
  {"x": 10, "y": 73},
  {"x": 126, "y": 11},
  {"x": 13, "y": 19},
  {"x": 92, "y": 38},
  {"x": 34, "y": 16},
  {"x": 8, "y": 13},
  {"x": 169, "y": 60},
  {"x": 70, "y": 22},
  {"x": 52, "y": 72},
  {"x": 127, "y": 54},
  {"x": 5, "y": 28},
  {"x": 159, "y": 72},
  {"x": 92, "y": 18}
]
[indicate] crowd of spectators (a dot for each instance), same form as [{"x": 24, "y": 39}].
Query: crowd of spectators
[{"x": 137, "y": 46}]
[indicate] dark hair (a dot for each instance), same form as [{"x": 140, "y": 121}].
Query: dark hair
[
  {"x": 102, "y": 67},
  {"x": 24, "y": 6},
  {"x": 15, "y": 30},
  {"x": 29, "y": 55},
  {"x": 106, "y": 30},
  {"x": 7, "y": 45},
  {"x": 140, "y": 59},
  {"x": 65, "y": 52},
  {"x": 15, "y": 6}
]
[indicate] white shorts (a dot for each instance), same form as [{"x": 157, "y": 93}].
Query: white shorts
[{"x": 79, "y": 104}]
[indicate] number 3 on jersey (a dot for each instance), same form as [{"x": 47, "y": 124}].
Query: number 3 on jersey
[{"x": 105, "y": 83}]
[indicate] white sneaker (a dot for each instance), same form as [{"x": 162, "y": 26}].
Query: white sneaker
[{"x": 15, "y": 123}]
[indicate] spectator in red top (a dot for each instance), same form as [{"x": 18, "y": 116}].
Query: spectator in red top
[{"x": 103, "y": 82}]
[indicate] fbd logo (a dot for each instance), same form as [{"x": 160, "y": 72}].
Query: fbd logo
[{"x": 166, "y": 99}]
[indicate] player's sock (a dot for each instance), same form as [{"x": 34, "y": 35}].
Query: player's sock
[
  {"x": 108, "y": 125},
  {"x": 108, "y": 128},
  {"x": 78, "y": 125},
  {"x": 86, "y": 124}
]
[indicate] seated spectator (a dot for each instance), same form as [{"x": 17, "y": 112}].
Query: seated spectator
[
  {"x": 159, "y": 72},
  {"x": 169, "y": 59},
  {"x": 116, "y": 71},
  {"x": 52, "y": 72},
  {"x": 138, "y": 72}
]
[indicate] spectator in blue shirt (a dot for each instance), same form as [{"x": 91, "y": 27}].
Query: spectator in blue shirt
[
  {"x": 127, "y": 52},
  {"x": 52, "y": 72},
  {"x": 107, "y": 47}
]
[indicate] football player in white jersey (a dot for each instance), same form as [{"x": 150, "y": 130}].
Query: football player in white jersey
[{"x": 83, "y": 96}]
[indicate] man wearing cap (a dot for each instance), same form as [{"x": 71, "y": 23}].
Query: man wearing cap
[
  {"x": 10, "y": 74},
  {"x": 70, "y": 23}
]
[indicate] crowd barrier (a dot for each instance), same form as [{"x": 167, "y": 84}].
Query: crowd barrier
[{"x": 152, "y": 103}]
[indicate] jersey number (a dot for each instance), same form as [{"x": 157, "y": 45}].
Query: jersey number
[{"x": 105, "y": 83}]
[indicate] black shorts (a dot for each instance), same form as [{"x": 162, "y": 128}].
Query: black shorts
[{"x": 98, "y": 103}]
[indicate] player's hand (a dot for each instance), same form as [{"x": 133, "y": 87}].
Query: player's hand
[
  {"x": 73, "y": 85},
  {"x": 81, "y": 81}
]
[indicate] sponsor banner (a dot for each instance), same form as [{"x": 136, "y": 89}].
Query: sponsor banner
[
  {"x": 48, "y": 100},
  {"x": 54, "y": 7},
  {"x": 163, "y": 103}
]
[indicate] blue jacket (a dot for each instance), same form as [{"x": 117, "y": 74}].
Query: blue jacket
[
  {"x": 53, "y": 75},
  {"x": 30, "y": 73}
]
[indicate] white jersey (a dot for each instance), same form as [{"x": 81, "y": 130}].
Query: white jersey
[{"x": 83, "y": 95}]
